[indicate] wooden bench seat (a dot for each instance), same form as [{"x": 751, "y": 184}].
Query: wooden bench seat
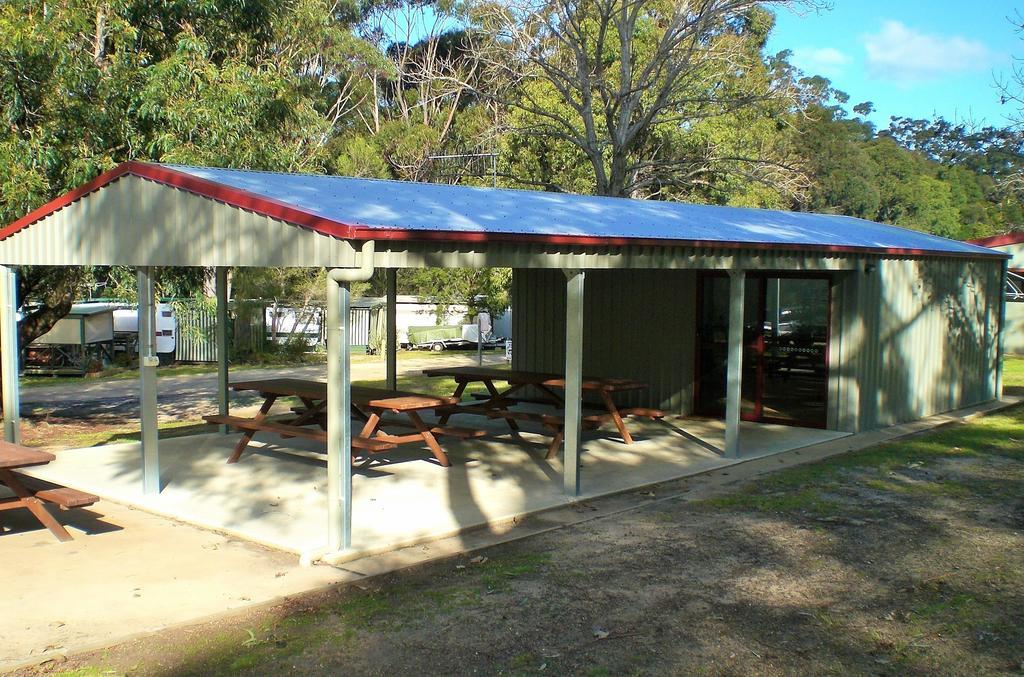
[
  {"x": 511, "y": 401},
  {"x": 549, "y": 420},
  {"x": 450, "y": 431},
  {"x": 364, "y": 443},
  {"x": 460, "y": 433},
  {"x": 63, "y": 497},
  {"x": 31, "y": 493}
]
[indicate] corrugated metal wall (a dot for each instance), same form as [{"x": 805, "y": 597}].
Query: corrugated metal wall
[
  {"x": 910, "y": 339},
  {"x": 920, "y": 337},
  {"x": 630, "y": 316}
]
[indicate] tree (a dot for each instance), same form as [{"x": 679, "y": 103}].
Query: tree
[
  {"x": 844, "y": 177},
  {"x": 619, "y": 70},
  {"x": 418, "y": 102},
  {"x": 85, "y": 85}
]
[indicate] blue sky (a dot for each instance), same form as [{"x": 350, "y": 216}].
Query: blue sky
[{"x": 915, "y": 58}]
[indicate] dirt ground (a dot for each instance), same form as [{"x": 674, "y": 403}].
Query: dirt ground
[{"x": 904, "y": 558}]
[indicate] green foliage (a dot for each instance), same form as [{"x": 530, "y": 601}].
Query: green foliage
[
  {"x": 486, "y": 289},
  {"x": 931, "y": 176}
]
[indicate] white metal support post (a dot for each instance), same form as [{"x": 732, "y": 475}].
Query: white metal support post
[
  {"x": 734, "y": 375},
  {"x": 339, "y": 423},
  {"x": 9, "y": 355},
  {"x": 573, "y": 380},
  {"x": 391, "y": 346},
  {"x": 221, "y": 290},
  {"x": 479, "y": 341},
  {"x": 148, "y": 362},
  {"x": 339, "y": 399}
]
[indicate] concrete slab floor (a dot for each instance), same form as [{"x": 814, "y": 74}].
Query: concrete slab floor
[
  {"x": 130, "y": 572},
  {"x": 276, "y": 497}
]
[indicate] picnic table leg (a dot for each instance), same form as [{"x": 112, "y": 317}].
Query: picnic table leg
[
  {"x": 429, "y": 438},
  {"x": 614, "y": 411},
  {"x": 459, "y": 389},
  {"x": 247, "y": 435},
  {"x": 370, "y": 428},
  {"x": 35, "y": 506},
  {"x": 556, "y": 400},
  {"x": 556, "y": 442},
  {"x": 312, "y": 414},
  {"x": 371, "y": 425},
  {"x": 495, "y": 395}
]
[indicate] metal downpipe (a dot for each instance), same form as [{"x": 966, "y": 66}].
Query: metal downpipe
[{"x": 339, "y": 396}]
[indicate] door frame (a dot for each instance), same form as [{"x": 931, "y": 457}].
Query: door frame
[{"x": 757, "y": 416}]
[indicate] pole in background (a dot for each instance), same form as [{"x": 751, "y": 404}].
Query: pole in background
[{"x": 479, "y": 341}]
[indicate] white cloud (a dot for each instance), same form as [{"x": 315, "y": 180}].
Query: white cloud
[
  {"x": 907, "y": 56},
  {"x": 827, "y": 61}
]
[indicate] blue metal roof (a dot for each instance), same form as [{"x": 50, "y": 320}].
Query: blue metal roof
[{"x": 461, "y": 210}]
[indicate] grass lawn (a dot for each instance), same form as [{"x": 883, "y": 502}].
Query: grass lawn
[
  {"x": 1013, "y": 375},
  {"x": 903, "y": 558}
]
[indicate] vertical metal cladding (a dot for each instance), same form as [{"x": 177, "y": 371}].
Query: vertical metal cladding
[
  {"x": 915, "y": 337},
  {"x": 929, "y": 340},
  {"x": 637, "y": 323}
]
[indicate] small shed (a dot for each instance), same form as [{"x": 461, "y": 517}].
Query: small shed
[
  {"x": 760, "y": 316},
  {"x": 78, "y": 341}
]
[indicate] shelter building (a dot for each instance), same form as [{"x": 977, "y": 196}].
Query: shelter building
[{"x": 808, "y": 320}]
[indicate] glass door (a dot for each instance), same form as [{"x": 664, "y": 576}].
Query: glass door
[
  {"x": 795, "y": 357},
  {"x": 785, "y": 348}
]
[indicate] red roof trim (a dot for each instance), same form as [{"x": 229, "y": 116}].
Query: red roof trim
[
  {"x": 282, "y": 211},
  {"x": 244, "y": 199},
  {"x": 66, "y": 199},
  {"x": 233, "y": 196},
  {"x": 999, "y": 240}
]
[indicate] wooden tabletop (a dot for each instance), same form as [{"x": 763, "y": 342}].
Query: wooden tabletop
[
  {"x": 14, "y": 456},
  {"x": 314, "y": 390},
  {"x": 396, "y": 400},
  {"x": 520, "y": 377}
]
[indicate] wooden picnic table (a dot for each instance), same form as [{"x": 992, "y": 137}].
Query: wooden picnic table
[
  {"x": 33, "y": 494},
  {"x": 497, "y": 403},
  {"x": 368, "y": 404}
]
